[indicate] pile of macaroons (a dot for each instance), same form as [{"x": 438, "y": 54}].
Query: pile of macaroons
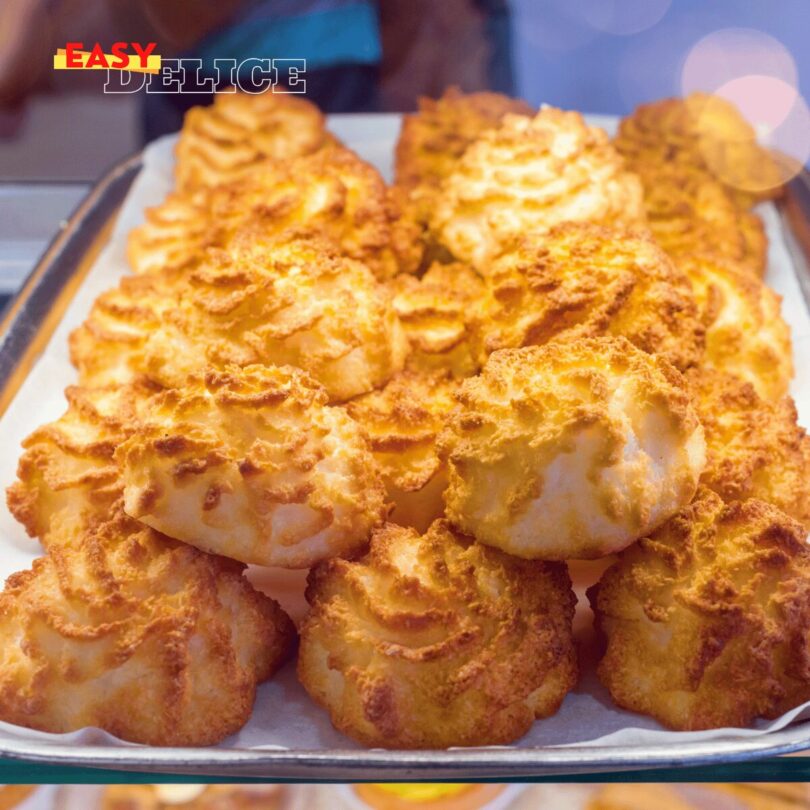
[{"x": 536, "y": 346}]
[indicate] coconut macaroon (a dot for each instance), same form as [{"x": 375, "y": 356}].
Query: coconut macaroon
[
  {"x": 702, "y": 133},
  {"x": 114, "y": 344},
  {"x": 689, "y": 212},
  {"x": 572, "y": 450},
  {"x": 227, "y": 139},
  {"x": 527, "y": 176},
  {"x": 299, "y": 303},
  {"x": 706, "y": 621},
  {"x": 251, "y": 463},
  {"x": 586, "y": 280},
  {"x": 67, "y": 465},
  {"x": 437, "y": 312},
  {"x": 403, "y": 421},
  {"x": 121, "y": 628},
  {"x": 434, "y": 641},
  {"x": 332, "y": 193},
  {"x": 745, "y": 332},
  {"x": 430, "y": 143},
  {"x": 754, "y": 447},
  {"x": 434, "y": 138}
]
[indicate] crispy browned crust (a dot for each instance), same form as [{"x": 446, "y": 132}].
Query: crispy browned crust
[
  {"x": 435, "y": 137},
  {"x": 403, "y": 421},
  {"x": 67, "y": 466},
  {"x": 690, "y": 212},
  {"x": 527, "y": 176},
  {"x": 437, "y": 312},
  {"x": 586, "y": 280},
  {"x": 112, "y": 346},
  {"x": 433, "y": 641},
  {"x": 332, "y": 194},
  {"x": 706, "y": 621},
  {"x": 755, "y": 448},
  {"x": 572, "y": 450},
  {"x": 299, "y": 302},
  {"x": 706, "y": 134},
  {"x": 252, "y": 463},
  {"x": 745, "y": 332},
  {"x": 121, "y": 628},
  {"x": 227, "y": 139}
]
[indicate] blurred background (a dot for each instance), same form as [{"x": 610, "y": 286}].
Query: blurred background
[{"x": 59, "y": 131}]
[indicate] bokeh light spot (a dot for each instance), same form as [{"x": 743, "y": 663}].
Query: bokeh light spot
[
  {"x": 621, "y": 17},
  {"x": 728, "y": 54}
]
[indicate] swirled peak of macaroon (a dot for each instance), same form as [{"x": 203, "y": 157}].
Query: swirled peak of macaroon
[
  {"x": 434, "y": 641},
  {"x": 437, "y": 313},
  {"x": 434, "y": 138},
  {"x": 299, "y": 303},
  {"x": 528, "y": 175},
  {"x": 755, "y": 448},
  {"x": 403, "y": 421},
  {"x": 230, "y": 137},
  {"x": 572, "y": 450},
  {"x": 690, "y": 212},
  {"x": 706, "y": 620},
  {"x": 745, "y": 332},
  {"x": 67, "y": 466},
  {"x": 121, "y": 628},
  {"x": 586, "y": 280},
  {"x": 706, "y": 134},
  {"x": 251, "y": 463},
  {"x": 332, "y": 193}
]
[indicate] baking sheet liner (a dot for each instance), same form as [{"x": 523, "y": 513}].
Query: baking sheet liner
[{"x": 284, "y": 717}]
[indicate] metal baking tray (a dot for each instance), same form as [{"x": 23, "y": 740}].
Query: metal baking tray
[{"x": 24, "y": 331}]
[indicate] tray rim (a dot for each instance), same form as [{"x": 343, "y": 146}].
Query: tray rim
[{"x": 39, "y": 299}]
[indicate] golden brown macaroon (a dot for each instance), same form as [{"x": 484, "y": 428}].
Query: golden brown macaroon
[
  {"x": 572, "y": 450},
  {"x": 227, "y": 139},
  {"x": 690, "y": 212},
  {"x": 703, "y": 133},
  {"x": 67, "y": 466},
  {"x": 586, "y": 280},
  {"x": 745, "y": 332},
  {"x": 299, "y": 303},
  {"x": 754, "y": 448},
  {"x": 437, "y": 312},
  {"x": 430, "y": 144},
  {"x": 527, "y": 176},
  {"x": 333, "y": 194},
  {"x": 434, "y": 641},
  {"x": 403, "y": 421},
  {"x": 251, "y": 463},
  {"x": 433, "y": 139},
  {"x": 706, "y": 621},
  {"x": 114, "y": 344},
  {"x": 121, "y": 628}
]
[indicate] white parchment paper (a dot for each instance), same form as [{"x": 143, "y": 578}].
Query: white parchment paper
[{"x": 284, "y": 717}]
